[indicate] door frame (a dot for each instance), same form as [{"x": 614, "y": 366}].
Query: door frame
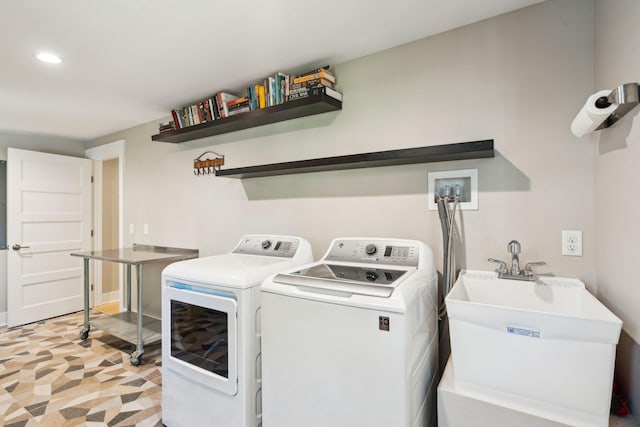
[{"x": 113, "y": 150}]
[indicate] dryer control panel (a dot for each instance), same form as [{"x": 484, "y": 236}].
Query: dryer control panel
[
  {"x": 375, "y": 251},
  {"x": 275, "y": 246}
]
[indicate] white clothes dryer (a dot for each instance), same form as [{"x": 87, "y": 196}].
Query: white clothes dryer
[
  {"x": 211, "y": 367},
  {"x": 352, "y": 340}
]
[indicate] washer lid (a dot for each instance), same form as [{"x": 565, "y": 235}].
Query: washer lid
[
  {"x": 371, "y": 281},
  {"x": 231, "y": 270}
]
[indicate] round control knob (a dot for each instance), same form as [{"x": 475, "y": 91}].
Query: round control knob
[
  {"x": 266, "y": 244},
  {"x": 370, "y": 249},
  {"x": 372, "y": 276}
]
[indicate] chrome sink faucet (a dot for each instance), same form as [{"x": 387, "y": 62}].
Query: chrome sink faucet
[
  {"x": 503, "y": 272},
  {"x": 514, "y": 249}
]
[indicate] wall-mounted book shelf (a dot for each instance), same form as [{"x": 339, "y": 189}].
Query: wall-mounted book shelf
[
  {"x": 435, "y": 153},
  {"x": 313, "y": 104}
]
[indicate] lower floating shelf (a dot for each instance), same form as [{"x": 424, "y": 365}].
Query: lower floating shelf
[
  {"x": 124, "y": 325},
  {"x": 406, "y": 156}
]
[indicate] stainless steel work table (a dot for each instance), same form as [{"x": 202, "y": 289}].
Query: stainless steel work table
[{"x": 129, "y": 326}]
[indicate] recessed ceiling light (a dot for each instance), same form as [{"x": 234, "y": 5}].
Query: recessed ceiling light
[{"x": 49, "y": 58}]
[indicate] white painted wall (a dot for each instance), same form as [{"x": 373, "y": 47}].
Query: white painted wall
[
  {"x": 518, "y": 78},
  {"x": 42, "y": 143},
  {"x": 617, "y": 156}
]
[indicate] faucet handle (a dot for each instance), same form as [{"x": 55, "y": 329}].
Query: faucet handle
[
  {"x": 502, "y": 268},
  {"x": 528, "y": 271}
]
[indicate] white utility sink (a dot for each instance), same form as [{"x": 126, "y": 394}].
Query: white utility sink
[{"x": 548, "y": 346}]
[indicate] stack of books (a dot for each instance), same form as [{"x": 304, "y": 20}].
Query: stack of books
[
  {"x": 314, "y": 82},
  {"x": 273, "y": 90},
  {"x": 238, "y": 105},
  {"x": 166, "y": 127}
]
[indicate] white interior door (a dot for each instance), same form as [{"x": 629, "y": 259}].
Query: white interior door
[{"x": 48, "y": 217}]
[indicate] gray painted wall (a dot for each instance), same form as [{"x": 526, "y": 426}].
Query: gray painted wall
[
  {"x": 617, "y": 156},
  {"x": 519, "y": 78},
  {"x": 497, "y": 79}
]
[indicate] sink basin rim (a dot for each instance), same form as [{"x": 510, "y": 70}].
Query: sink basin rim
[{"x": 589, "y": 321}]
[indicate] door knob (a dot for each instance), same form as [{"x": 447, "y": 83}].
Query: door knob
[{"x": 17, "y": 247}]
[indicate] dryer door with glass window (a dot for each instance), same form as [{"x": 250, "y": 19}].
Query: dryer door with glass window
[{"x": 199, "y": 334}]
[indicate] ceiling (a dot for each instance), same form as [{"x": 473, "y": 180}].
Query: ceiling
[{"x": 129, "y": 62}]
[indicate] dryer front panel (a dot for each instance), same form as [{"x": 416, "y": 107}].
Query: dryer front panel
[{"x": 199, "y": 334}]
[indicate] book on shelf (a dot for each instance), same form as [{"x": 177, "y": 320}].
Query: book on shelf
[
  {"x": 166, "y": 127},
  {"x": 262, "y": 99},
  {"x": 222, "y": 99},
  {"x": 177, "y": 119},
  {"x": 195, "y": 120},
  {"x": 242, "y": 109},
  {"x": 240, "y": 105},
  {"x": 282, "y": 84},
  {"x": 206, "y": 108},
  {"x": 190, "y": 117},
  {"x": 311, "y": 83},
  {"x": 195, "y": 113},
  {"x": 216, "y": 108},
  {"x": 233, "y": 102},
  {"x": 305, "y": 93},
  {"x": 201, "y": 114},
  {"x": 271, "y": 89},
  {"x": 185, "y": 118},
  {"x": 252, "y": 97},
  {"x": 324, "y": 74},
  {"x": 317, "y": 70}
]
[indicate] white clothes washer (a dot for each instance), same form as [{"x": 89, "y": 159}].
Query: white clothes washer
[
  {"x": 351, "y": 340},
  {"x": 211, "y": 367}
]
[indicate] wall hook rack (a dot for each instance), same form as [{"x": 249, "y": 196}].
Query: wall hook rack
[{"x": 207, "y": 166}]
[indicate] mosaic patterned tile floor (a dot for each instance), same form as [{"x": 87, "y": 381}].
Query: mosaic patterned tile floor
[{"x": 49, "y": 377}]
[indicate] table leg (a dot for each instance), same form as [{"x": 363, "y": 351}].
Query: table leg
[
  {"x": 84, "y": 332},
  {"x": 137, "y": 355},
  {"x": 129, "y": 288}
]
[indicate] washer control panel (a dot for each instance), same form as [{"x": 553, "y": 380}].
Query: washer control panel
[
  {"x": 275, "y": 246},
  {"x": 375, "y": 251}
]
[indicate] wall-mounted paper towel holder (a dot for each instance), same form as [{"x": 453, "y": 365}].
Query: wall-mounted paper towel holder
[
  {"x": 603, "y": 109},
  {"x": 627, "y": 97}
]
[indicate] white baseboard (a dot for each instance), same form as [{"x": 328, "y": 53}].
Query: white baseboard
[
  {"x": 3, "y": 318},
  {"x": 110, "y": 296}
]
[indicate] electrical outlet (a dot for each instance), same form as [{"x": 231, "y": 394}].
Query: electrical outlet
[
  {"x": 571, "y": 243},
  {"x": 145, "y": 228},
  {"x": 131, "y": 229}
]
